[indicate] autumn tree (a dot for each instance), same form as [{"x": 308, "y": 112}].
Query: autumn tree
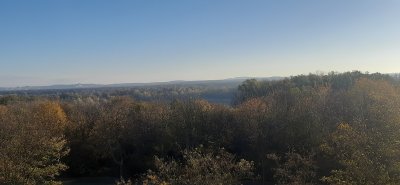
[
  {"x": 129, "y": 133},
  {"x": 367, "y": 146},
  {"x": 32, "y": 143},
  {"x": 294, "y": 168},
  {"x": 200, "y": 166},
  {"x": 83, "y": 117}
]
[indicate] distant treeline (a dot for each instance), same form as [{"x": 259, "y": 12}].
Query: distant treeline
[
  {"x": 336, "y": 128},
  {"x": 222, "y": 94}
]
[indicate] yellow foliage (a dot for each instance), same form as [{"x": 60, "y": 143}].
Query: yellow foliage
[
  {"x": 50, "y": 116},
  {"x": 344, "y": 126}
]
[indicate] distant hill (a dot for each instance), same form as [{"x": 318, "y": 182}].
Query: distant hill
[
  {"x": 231, "y": 82},
  {"x": 70, "y": 86}
]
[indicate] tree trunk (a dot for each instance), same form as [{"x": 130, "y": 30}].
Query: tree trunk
[{"x": 121, "y": 168}]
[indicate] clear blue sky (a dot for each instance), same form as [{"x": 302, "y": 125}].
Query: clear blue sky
[{"x": 113, "y": 41}]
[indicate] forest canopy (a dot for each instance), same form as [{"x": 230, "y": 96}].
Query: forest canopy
[{"x": 336, "y": 128}]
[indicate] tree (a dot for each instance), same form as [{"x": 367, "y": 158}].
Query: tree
[
  {"x": 294, "y": 168},
  {"x": 128, "y": 133},
  {"x": 82, "y": 159},
  {"x": 113, "y": 131},
  {"x": 367, "y": 147},
  {"x": 32, "y": 143},
  {"x": 200, "y": 166}
]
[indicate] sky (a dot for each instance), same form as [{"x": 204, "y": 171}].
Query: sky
[{"x": 45, "y": 42}]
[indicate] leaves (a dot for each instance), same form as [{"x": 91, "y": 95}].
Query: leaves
[
  {"x": 201, "y": 166},
  {"x": 32, "y": 144}
]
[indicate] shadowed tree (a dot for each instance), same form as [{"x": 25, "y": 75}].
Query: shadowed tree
[{"x": 368, "y": 146}]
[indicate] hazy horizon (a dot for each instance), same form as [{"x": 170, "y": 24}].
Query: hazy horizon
[
  {"x": 48, "y": 42},
  {"x": 192, "y": 80},
  {"x": 147, "y": 82}
]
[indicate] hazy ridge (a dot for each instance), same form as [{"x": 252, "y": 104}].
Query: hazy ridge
[{"x": 230, "y": 82}]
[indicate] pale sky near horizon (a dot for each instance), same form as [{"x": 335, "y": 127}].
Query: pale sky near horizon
[{"x": 45, "y": 42}]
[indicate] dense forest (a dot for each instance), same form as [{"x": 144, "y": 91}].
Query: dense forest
[
  {"x": 215, "y": 91},
  {"x": 336, "y": 128}
]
